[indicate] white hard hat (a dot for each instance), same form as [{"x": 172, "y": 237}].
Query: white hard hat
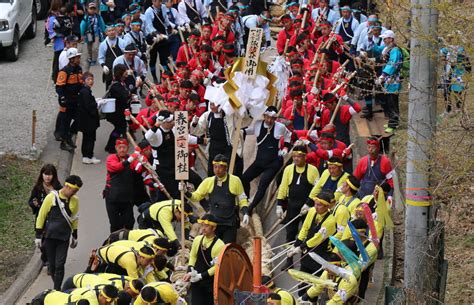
[
  {"x": 72, "y": 52},
  {"x": 388, "y": 34}
]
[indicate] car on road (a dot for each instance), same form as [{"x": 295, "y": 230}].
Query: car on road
[{"x": 17, "y": 20}]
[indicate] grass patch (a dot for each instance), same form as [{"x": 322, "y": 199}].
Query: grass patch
[{"x": 17, "y": 177}]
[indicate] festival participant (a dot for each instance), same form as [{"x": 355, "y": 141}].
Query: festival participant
[
  {"x": 296, "y": 184},
  {"x": 269, "y": 157},
  {"x": 318, "y": 225},
  {"x": 258, "y": 21},
  {"x": 162, "y": 139},
  {"x": 285, "y": 34},
  {"x": 56, "y": 223},
  {"x": 277, "y": 294},
  {"x": 331, "y": 180},
  {"x": 336, "y": 43},
  {"x": 135, "y": 67},
  {"x": 137, "y": 37},
  {"x": 174, "y": 22},
  {"x": 226, "y": 197},
  {"x": 324, "y": 14},
  {"x": 109, "y": 50},
  {"x": 92, "y": 29},
  {"x": 156, "y": 293},
  {"x": 205, "y": 249},
  {"x": 53, "y": 297},
  {"x": 190, "y": 47},
  {"x": 122, "y": 260},
  {"x": 347, "y": 24},
  {"x": 192, "y": 12},
  {"x": 349, "y": 198},
  {"x": 373, "y": 169}
]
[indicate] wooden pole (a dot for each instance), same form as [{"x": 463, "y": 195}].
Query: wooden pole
[
  {"x": 257, "y": 264},
  {"x": 183, "y": 237},
  {"x": 33, "y": 128},
  {"x": 333, "y": 117}
]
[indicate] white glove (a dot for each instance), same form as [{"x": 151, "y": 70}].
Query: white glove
[
  {"x": 181, "y": 186},
  {"x": 105, "y": 69},
  {"x": 304, "y": 209},
  {"x": 174, "y": 32},
  {"x": 314, "y": 134},
  {"x": 206, "y": 81},
  {"x": 195, "y": 120},
  {"x": 130, "y": 159},
  {"x": 282, "y": 152},
  {"x": 164, "y": 37},
  {"x": 38, "y": 243},
  {"x": 188, "y": 27},
  {"x": 390, "y": 201},
  {"x": 246, "y": 220},
  {"x": 293, "y": 251},
  {"x": 181, "y": 28},
  {"x": 314, "y": 90},
  {"x": 195, "y": 276},
  {"x": 279, "y": 212},
  {"x": 181, "y": 301},
  {"x": 180, "y": 268},
  {"x": 306, "y": 142},
  {"x": 345, "y": 97},
  {"x": 157, "y": 38},
  {"x": 379, "y": 80},
  {"x": 73, "y": 243}
]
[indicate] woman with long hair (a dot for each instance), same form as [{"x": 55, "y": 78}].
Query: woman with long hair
[
  {"x": 119, "y": 91},
  {"x": 46, "y": 182}
]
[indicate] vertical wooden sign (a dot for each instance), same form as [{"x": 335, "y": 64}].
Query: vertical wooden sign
[
  {"x": 252, "y": 53},
  {"x": 181, "y": 145}
]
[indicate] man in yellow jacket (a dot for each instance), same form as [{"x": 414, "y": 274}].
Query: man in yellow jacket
[
  {"x": 57, "y": 222},
  {"x": 277, "y": 295},
  {"x": 125, "y": 261},
  {"x": 318, "y": 225},
  {"x": 226, "y": 195},
  {"x": 296, "y": 184},
  {"x": 201, "y": 267},
  {"x": 53, "y": 297},
  {"x": 158, "y": 293}
]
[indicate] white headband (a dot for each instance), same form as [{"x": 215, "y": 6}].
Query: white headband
[
  {"x": 270, "y": 113},
  {"x": 163, "y": 119}
]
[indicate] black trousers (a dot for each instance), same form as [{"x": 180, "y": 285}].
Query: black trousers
[
  {"x": 266, "y": 172},
  {"x": 55, "y": 71},
  {"x": 227, "y": 233},
  {"x": 162, "y": 50},
  {"x": 391, "y": 108},
  {"x": 88, "y": 141},
  {"x": 56, "y": 251},
  {"x": 64, "y": 121},
  {"x": 120, "y": 215},
  {"x": 202, "y": 293},
  {"x": 120, "y": 128},
  {"x": 364, "y": 281}
]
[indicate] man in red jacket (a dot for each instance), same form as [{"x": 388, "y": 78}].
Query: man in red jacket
[
  {"x": 285, "y": 34},
  {"x": 374, "y": 169},
  {"x": 342, "y": 117},
  {"x": 119, "y": 187}
]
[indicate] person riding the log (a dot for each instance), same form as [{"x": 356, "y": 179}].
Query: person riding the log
[
  {"x": 189, "y": 47},
  {"x": 103, "y": 295},
  {"x": 285, "y": 298},
  {"x": 201, "y": 267},
  {"x": 86, "y": 280},
  {"x": 109, "y": 49},
  {"x": 331, "y": 180},
  {"x": 373, "y": 169},
  {"x": 269, "y": 157},
  {"x": 56, "y": 226},
  {"x": 318, "y": 225},
  {"x": 226, "y": 196},
  {"x": 162, "y": 139},
  {"x": 121, "y": 186},
  {"x": 296, "y": 184},
  {"x": 345, "y": 290},
  {"x": 161, "y": 215},
  {"x": 285, "y": 34},
  {"x": 349, "y": 198},
  {"x": 342, "y": 117},
  {"x": 122, "y": 260},
  {"x": 158, "y": 293},
  {"x": 53, "y": 297},
  {"x": 219, "y": 131},
  {"x": 222, "y": 28}
]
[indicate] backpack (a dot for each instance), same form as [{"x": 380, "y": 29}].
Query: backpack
[{"x": 405, "y": 67}]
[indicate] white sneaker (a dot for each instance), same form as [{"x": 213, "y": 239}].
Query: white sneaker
[
  {"x": 95, "y": 160},
  {"x": 87, "y": 160}
]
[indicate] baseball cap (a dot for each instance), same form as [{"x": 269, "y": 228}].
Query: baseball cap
[
  {"x": 388, "y": 34},
  {"x": 72, "y": 52}
]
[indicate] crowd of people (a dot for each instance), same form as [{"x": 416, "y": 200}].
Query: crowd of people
[{"x": 334, "y": 212}]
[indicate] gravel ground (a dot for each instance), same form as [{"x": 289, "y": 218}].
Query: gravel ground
[{"x": 25, "y": 85}]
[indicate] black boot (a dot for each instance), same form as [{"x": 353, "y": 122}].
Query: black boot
[
  {"x": 70, "y": 142},
  {"x": 66, "y": 147},
  {"x": 369, "y": 114}
]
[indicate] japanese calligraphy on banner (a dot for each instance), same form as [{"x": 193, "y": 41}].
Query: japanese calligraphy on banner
[
  {"x": 253, "y": 52},
  {"x": 181, "y": 145}
]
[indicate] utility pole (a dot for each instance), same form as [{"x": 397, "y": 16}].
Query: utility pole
[{"x": 420, "y": 266}]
